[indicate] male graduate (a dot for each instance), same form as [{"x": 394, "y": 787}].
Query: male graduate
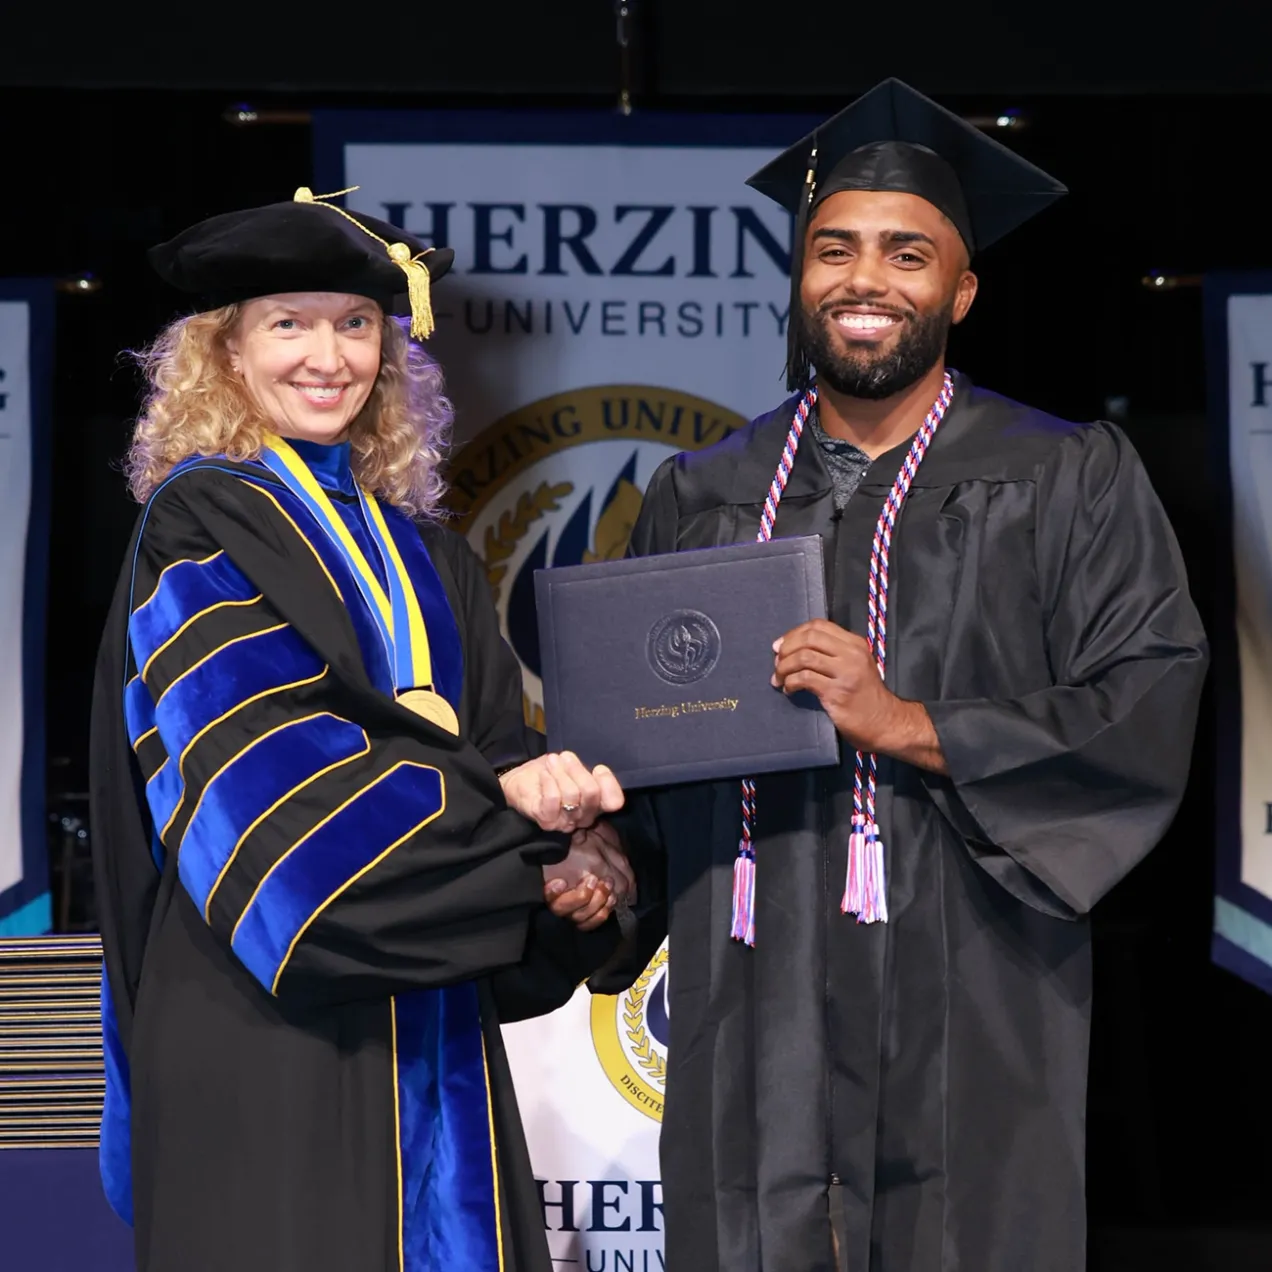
[{"x": 882, "y": 985}]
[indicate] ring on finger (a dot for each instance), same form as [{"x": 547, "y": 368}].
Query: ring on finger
[{"x": 569, "y": 808}]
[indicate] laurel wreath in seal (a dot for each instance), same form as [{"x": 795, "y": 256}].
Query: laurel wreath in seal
[
  {"x": 642, "y": 1045},
  {"x": 503, "y": 537},
  {"x": 611, "y": 535}
]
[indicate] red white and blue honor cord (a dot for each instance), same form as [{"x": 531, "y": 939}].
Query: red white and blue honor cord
[{"x": 866, "y": 891}]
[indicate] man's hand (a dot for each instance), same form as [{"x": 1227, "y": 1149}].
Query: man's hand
[
  {"x": 600, "y": 851},
  {"x": 588, "y": 905},
  {"x": 559, "y": 792},
  {"x": 838, "y": 668},
  {"x": 592, "y": 880}
]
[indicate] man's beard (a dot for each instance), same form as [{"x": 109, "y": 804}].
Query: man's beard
[{"x": 860, "y": 371}]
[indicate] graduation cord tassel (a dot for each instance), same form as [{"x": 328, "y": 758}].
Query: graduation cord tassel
[
  {"x": 865, "y": 889},
  {"x": 418, "y": 279},
  {"x": 743, "y": 927}
]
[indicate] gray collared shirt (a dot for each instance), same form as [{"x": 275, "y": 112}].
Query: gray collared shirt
[{"x": 846, "y": 464}]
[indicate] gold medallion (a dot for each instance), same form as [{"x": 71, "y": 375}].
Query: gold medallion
[{"x": 432, "y": 706}]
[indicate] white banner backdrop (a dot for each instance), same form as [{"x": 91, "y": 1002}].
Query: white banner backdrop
[
  {"x": 24, "y": 902},
  {"x": 613, "y": 301},
  {"x": 1241, "y": 354}
]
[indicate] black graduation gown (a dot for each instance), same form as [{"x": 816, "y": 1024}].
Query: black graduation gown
[
  {"x": 271, "y": 1129},
  {"x": 935, "y": 1065}
]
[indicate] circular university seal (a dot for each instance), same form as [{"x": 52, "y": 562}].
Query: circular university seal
[
  {"x": 559, "y": 482},
  {"x": 683, "y": 647},
  {"x": 629, "y": 1032}
]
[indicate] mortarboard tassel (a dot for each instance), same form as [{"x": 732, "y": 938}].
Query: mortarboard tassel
[
  {"x": 417, "y": 289},
  {"x": 418, "y": 281},
  {"x": 798, "y": 372}
]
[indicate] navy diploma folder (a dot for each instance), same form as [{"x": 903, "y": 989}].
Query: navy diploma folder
[{"x": 660, "y": 666}]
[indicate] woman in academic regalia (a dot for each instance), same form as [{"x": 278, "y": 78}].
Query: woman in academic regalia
[{"x": 327, "y": 865}]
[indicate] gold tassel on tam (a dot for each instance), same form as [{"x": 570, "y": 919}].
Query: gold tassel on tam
[
  {"x": 417, "y": 275},
  {"x": 417, "y": 289}
]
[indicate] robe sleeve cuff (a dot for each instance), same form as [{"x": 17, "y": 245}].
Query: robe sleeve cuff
[
  {"x": 549, "y": 848},
  {"x": 955, "y": 797}
]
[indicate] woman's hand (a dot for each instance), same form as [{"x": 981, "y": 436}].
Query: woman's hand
[
  {"x": 592, "y": 880},
  {"x": 560, "y": 793}
]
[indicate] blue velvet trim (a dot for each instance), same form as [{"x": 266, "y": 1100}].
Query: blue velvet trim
[
  {"x": 242, "y": 669},
  {"x": 139, "y": 710},
  {"x": 370, "y": 644},
  {"x": 258, "y": 777},
  {"x": 449, "y": 1212},
  {"x": 386, "y": 812},
  {"x": 163, "y": 793},
  {"x": 114, "y": 1153},
  {"x": 239, "y": 670},
  {"x": 444, "y": 644},
  {"x": 351, "y": 515},
  {"x": 185, "y": 589},
  {"x": 330, "y": 462}
]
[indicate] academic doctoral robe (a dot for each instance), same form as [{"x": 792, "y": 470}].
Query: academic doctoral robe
[
  {"x": 929, "y": 1073},
  {"x": 315, "y": 905}
]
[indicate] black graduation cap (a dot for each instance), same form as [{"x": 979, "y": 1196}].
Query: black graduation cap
[
  {"x": 894, "y": 138},
  {"x": 308, "y": 244}
]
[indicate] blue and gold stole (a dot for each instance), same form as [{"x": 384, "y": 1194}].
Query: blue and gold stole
[{"x": 399, "y": 614}]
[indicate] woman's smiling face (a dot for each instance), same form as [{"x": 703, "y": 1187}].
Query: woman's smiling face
[{"x": 309, "y": 360}]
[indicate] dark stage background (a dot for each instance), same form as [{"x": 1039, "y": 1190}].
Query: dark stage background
[{"x": 117, "y": 132}]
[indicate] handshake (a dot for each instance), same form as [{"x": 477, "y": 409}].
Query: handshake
[{"x": 559, "y": 792}]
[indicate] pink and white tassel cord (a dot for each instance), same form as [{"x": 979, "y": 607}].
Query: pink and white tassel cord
[{"x": 866, "y": 889}]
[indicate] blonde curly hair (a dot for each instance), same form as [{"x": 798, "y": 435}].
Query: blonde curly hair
[{"x": 196, "y": 405}]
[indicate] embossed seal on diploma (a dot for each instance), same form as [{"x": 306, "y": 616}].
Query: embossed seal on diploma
[{"x": 683, "y": 647}]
